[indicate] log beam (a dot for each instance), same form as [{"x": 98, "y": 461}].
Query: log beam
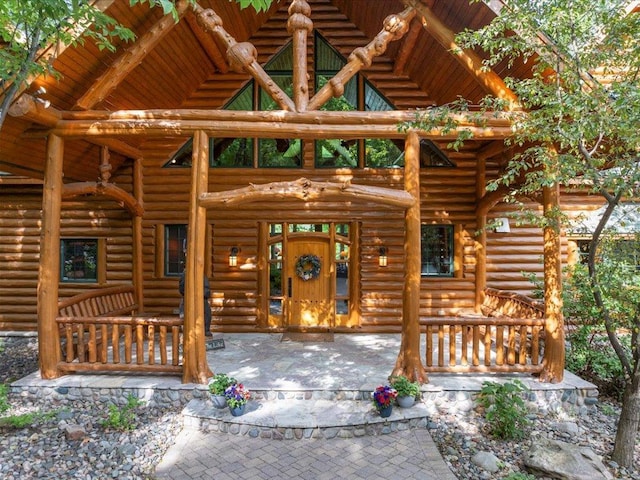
[
  {"x": 395, "y": 26},
  {"x": 31, "y": 109},
  {"x": 129, "y": 60},
  {"x": 109, "y": 190},
  {"x": 407, "y": 48},
  {"x": 490, "y": 80},
  {"x": 308, "y": 191},
  {"x": 211, "y": 47}
]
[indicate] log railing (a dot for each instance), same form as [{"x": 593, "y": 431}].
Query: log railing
[
  {"x": 488, "y": 344},
  {"x": 123, "y": 343}
]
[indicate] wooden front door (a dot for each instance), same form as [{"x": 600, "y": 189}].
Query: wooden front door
[{"x": 310, "y": 301}]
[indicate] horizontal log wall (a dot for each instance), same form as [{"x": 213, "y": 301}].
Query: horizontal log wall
[{"x": 20, "y": 221}]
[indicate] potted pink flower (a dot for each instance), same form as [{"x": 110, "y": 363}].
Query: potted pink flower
[
  {"x": 383, "y": 398},
  {"x": 237, "y": 397}
]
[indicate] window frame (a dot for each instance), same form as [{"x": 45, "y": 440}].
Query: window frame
[
  {"x": 100, "y": 261},
  {"x": 450, "y": 247}
]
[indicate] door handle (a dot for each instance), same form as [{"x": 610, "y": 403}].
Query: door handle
[{"x": 289, "y": 286}]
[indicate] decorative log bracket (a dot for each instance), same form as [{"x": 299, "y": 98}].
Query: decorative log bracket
[{"x": 307, "y": 191}]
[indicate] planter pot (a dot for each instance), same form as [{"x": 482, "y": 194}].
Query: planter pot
[
  {"x": 406, "y": 402},
  {"x": 385, "y": 411},
  {"x": 219, "y": 401},
  {"x": 237, "y": 411}
]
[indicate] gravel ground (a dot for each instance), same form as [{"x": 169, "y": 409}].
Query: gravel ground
[{"x": 43, "y": 450}]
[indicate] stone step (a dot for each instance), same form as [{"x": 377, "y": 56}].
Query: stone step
[{"x": 299, "y": 419}]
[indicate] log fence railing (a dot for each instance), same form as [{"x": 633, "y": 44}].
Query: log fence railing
[
  {"x": 126, "y": 343},
  {"x": 100, "y": 331},
  {"x": 510, "y": 338},
  {"x": 488, "y": 344}
]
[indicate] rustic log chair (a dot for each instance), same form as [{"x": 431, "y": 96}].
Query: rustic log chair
[{"x": 103, "y": 302}]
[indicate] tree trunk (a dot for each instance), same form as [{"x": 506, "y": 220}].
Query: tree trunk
[{"x": 628, "y": 423}]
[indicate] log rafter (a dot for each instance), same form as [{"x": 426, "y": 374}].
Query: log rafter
[
  {"x": 130, "y": 59},
  {"x": 242, "y": 57},
  {"x": 395, "y": 27},
  {"x": 489, "y": 79},
  {"x": 209, "y": 45},
  {"x": 308, "y": 191}
]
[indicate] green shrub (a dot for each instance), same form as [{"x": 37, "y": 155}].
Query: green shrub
[
  {"x": 520, "y": 476},
  {"x": 505, "y": 410},
  {"x": 404, "y": 387},
  {"x": 4, "y": 397},
  {"x": 122, "y": 418}
]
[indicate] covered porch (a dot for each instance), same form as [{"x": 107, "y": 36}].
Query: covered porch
[{"x": 282, "y": 375}]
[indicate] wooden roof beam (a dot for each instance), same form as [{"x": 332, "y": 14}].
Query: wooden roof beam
[
  {"x": 29, "y": 108},
  {"x": 395, "y": 27},
  {"x": 209, "y": 45},
  {"x": 490, "y": 80},
  {"x": 408, "y": 47},
  {"x": 129, "y": 60},
  {"x": 242, "y": 57}
]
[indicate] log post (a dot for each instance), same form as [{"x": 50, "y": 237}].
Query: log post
[
  {"x": 409, "y": 362},
  {"x": 49, "y": 268},
  {"x": 299, "y": 26},
  {"x": 481, "y": 237},
  {"x": 138, "y": 267},
  {"x": 554, "y": 353},
  {"x": 195, "y": 367}
]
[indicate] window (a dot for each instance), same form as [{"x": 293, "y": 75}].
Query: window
[
  {"x": 437, "y": 250},
  {"x": 175, "y": 247},
  {"x": 79, "y": 260}
]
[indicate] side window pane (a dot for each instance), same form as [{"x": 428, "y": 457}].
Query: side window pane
[
  {"x": 232, "y": 152},
  {"x": 336, "y": 153},
  {"x": 79, "y": 260},
  {"x": 279, "y": 152},
  {"x": 383, "y": 153},
  {"x": 437, "y": 250},
  {"x": 175, "y": 249}
]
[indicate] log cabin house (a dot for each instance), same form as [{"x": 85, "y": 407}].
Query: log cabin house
[{"x": 263, "y": 151}]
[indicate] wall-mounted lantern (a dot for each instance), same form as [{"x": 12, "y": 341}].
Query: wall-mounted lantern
[
  {"x": 382, "y": 257},
  {"x": 233, "y": 256}
]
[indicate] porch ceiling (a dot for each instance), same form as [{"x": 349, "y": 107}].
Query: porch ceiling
[{"x": 175, "y": 66}]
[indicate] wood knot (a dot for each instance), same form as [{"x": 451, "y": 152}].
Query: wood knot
[{"x": 241, "y": 55}]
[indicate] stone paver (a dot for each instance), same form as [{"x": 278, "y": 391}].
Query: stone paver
[{"x": 409, "y": 454}]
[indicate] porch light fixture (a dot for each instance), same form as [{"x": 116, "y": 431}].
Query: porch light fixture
[
  {"x": 502, "y": 225},
  {"x": 233, "y": 257},
  {"x": 382, "y": 257}
]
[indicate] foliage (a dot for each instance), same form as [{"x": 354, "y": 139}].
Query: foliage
[
  {"x": 237, "y": 395},
  {"x": 27, "y": 419},
  {"x": 4, "y": 401},
  {"x": 574, "y": 125},
  {"x": 122, "y": 418},
  {"x": 505, "y": 410},
  {"x": 383, "y": 396},
  {"x": 520, "y": 476},
  {"x": 32, "y": 30},
  {"x": 404, "y": 387},
  {"x": 220, "y": 382}
]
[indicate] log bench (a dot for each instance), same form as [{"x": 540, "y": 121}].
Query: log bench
[{"x": 104, "y": 302}]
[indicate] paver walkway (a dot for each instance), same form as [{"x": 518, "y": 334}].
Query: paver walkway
[{"x": 410, "y": 454}]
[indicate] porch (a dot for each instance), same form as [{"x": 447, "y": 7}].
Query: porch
[{"x": 308, "y": 378}]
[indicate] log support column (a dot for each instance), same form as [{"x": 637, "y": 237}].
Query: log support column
[
  {"x": 554, "y": 354},
  {"x": 196, "y": 368},
  {"x": 48, "y": 336},
  {"x": 137, "y": 237},
  {"x": 409, "y": 362}
]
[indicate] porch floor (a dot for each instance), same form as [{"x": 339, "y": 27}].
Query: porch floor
[{"x": 351, "y": 363}]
